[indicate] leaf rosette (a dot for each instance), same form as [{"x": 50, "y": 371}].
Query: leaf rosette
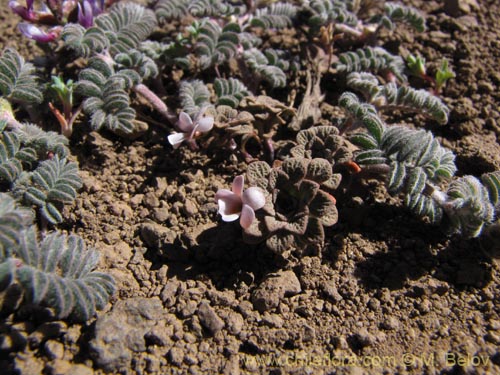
[{"x": 297, "y": 208}]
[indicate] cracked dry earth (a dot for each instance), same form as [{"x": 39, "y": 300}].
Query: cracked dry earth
[{"x": 388, "y": 294}]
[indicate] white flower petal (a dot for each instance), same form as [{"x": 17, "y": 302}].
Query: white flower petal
[
  {"x": 175, "y": 139},
  {"x": 205, "y": 124},
  {"x": 247, "y": 216},
  {"x": 254, "y": 197},
  {"x": 185, "y": 124},
  {"x": 227, "y": 210}
]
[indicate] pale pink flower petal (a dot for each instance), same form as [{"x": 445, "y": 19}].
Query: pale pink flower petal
[
  {"x": 205, "y": 124},
  {"x": 247, "y": 216},
  {"x": 254, "y": 197},
  {"x": 185, "y": 124},
  {"x": 230, "y": 207},
  {"x": 238, "y": 203},
  {"x": 238, "y": 183},
  {"x": 223, "y": 194},
  {"x": 176, "y": 139}
]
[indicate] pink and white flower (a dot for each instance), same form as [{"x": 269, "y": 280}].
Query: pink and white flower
[
  {"x": 189, "y": 128},
  {"x": 236, "y": 203},
  {"x": 37, "y": 34}
]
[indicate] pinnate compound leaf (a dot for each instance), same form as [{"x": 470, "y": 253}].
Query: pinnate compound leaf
[
  {"x": 126, "y": 25},
  {"x": 214, "y": 8},
  {"x": 48, "y": 281},
  {"x": 395, "y": 12},
  {"x": 276, "y": 16},
  {"x": 13, "y": 157},
  {"x": 372, "y": 59},
  {"x": 85, "y": 42},
  {"x": 54, "y": 183},
  {"x": 167, "y": 10},
  {"x": 469, "y": 208},
  {"x": 492, "y": 183},
  {"x": 18, "y": 81},
  {"x": 230, "y": 91},
  {"x": 194, "y": 95},
  {"x": 269, "y": 70},
  {"x": 43, "y": 142},
  {"x": 215, "y": 45},
  {"x": 13, "y": 220},
  {"x": 330, "y": 11}
]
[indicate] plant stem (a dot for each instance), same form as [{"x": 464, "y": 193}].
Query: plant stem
[{"x": 156, "y": 102}]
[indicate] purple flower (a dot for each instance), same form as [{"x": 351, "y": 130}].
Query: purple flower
[
  {"x": 35, "y": 33},
  {"x": 85, "y": 14},
  {"x": 241, "y": 204},
  {"x": 26, "y": 12},
  {"x": 189, "y": 128}
]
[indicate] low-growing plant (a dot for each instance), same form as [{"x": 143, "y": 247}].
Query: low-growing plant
[
  {"x": 35, "y": 173},
  {"x": 56, "y": 272},
  {"x": 234, "y": 82},
  {"x": 298, "y": 205},
  {"x": 416, "y": 66}
]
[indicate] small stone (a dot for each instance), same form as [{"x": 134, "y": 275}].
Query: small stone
[
  {"x": 340, "y": 342},
  {"x": 155, "y": 235},
  {"x": 63, "y": 367},
  {"x": 161, "y": 185},
  {"x": 455, "y": 8},
  {"x": 13, "y": 341},
  {"x": 494, "y": 324},
  {"x": 424, "y": 307},
  {"x": 374, "y": 304},
  {"x": 272, "y": 320},
  {"x": 54, "y": 349},
  {"x": 363, "y": 338},
  {"x": 136, "y": 200},
  {"x": 493, "y": 337},
  {"x": 176, "y": 356},
  {"x": 190, "y": 209},
  {"x": 330, "y": 290},
  {"x": 46, "y": 331},
  {"x": 485, "y": 86},
  {"x": 122, "y": 209},
  {"x": 90, "y": 183},
  {"x": 111, "y": 237},
  {"x": 59, "y": 367},
  {"x": 277, "y": 286},
  {"x": 209, "y": 318},
  {"x": 309, "y": 333},
  {"x": 169, "y": 292},
  {"x": 153, "y": 364},
  {"x": 151, "y": 200},
  {"x": 232, "y": 366},
  {"x": 191, "y": 360},
  {"x": 187, "y": 309},
  {"x": 160, "y": 335},
  {"x": 391, "y": 323},
  {"x": 189, "y": 338},
  {"x": 28, "y": 365},
  {"x": 234, "y": 323},
  {"x": 117, "y": 255},
  {"x": 161, "y": 214},
  {"x": 120, "y": 333}
]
